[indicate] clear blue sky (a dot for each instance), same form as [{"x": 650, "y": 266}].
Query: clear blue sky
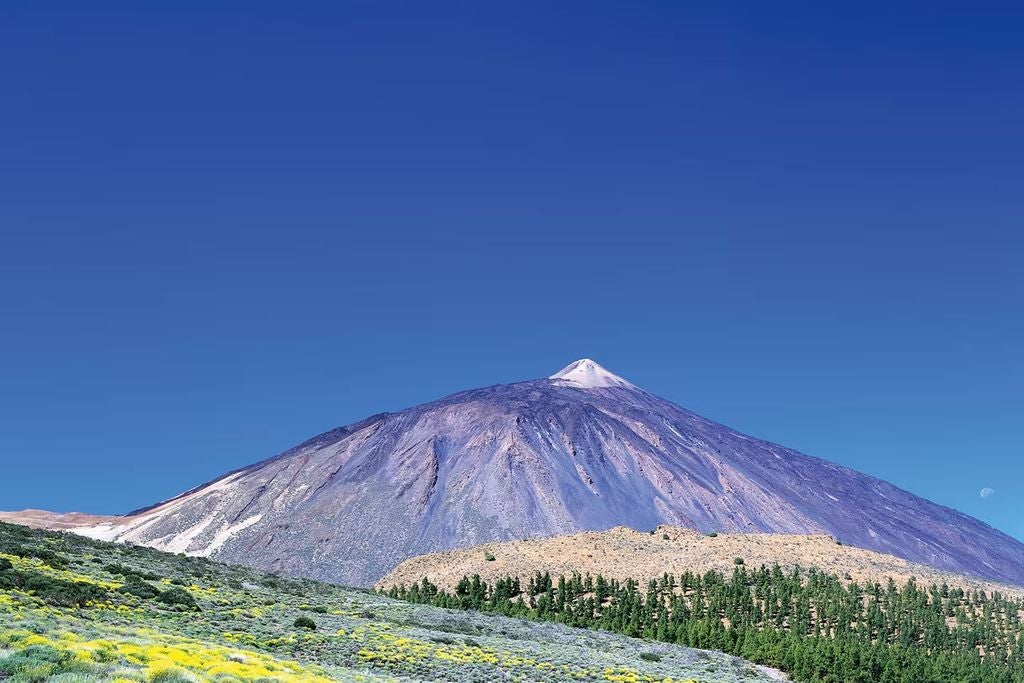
[{"x": 227, "y": 227}]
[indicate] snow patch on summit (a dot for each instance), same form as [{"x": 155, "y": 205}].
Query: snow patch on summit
[{"x": 589, "y": 375}]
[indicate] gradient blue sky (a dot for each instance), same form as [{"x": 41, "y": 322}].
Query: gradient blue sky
[{"x": 225, "y": 227}]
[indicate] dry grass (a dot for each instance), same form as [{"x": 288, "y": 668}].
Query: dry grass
[
  {"x": 55, "y": 521},
  {"x": 625, "y": 553}
]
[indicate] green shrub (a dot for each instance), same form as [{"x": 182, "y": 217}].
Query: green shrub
[
  {"x": 178, "y": 597},
  {"x": 38, "y": 663},
  {"x": 319, "y": 609},
  {"x": 306, "y": 623},
  {"x": 664, "y": 537},
  {"x": 139, "y": 589},
  {"x": 650, "y": 657},
  {"x": 129, "y": 573},
  {"x": 173, "y": 676},
  {"x": 737, "y": 560},
  {"x": 58, "y": 592},
  {"x": 712, "y": 534},
  {"x": 488, "y": 557},
  {"x": 5, "y": 564},
  {"x": 44, "y": 555}
]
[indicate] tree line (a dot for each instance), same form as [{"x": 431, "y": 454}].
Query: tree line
[{"x": 810, "y": 624}]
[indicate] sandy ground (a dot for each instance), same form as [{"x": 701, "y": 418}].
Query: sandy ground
[{"x": 625, "y": 553}]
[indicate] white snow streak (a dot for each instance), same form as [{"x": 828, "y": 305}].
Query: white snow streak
[{"x": 226, "y": 533}]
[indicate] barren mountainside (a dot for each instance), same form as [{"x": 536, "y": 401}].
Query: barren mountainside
[{"x": 581, "y": 450}]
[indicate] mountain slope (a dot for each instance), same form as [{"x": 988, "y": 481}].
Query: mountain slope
[{"x": 581, "y": 450}]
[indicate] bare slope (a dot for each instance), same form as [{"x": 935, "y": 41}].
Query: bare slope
[{"x": 623, "y": 553}]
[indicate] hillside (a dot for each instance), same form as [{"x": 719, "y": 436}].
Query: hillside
[
  {"x": 73, "y": 609},
  {"x": 816, "y": 625},
  {"x": 623, "y": 553},
  {"x": 580, "y": 450}
]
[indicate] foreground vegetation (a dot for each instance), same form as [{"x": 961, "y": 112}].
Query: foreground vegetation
[
  {"x": 813, "y": 625},
  {"x": 74, "y": 610}
]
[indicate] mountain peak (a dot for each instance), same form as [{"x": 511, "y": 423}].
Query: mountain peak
[
  {"x": 582, "y": 451},
  {"x": 589, "y": 375}
]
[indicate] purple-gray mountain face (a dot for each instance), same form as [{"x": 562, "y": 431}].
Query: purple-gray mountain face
[{"x": 581, "y": 450}]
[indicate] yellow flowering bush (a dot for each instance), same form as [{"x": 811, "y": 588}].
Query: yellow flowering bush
[{"x": 156, "y": 659}]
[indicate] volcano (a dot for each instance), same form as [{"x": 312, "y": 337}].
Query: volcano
[{"x": 583, "y": 449}]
